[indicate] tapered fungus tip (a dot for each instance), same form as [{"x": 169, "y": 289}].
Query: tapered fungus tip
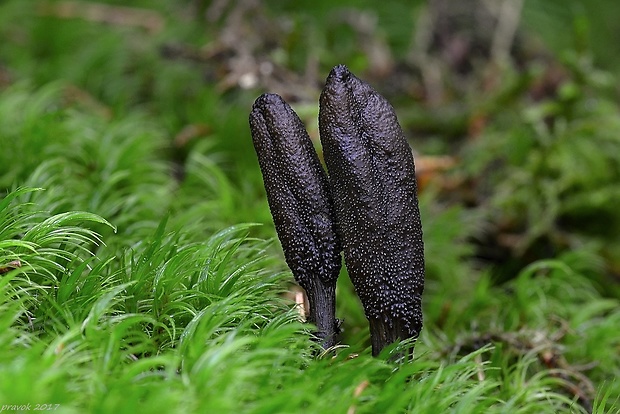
[
  {"x": 273, "y": 120},
  {"x": 267, "y": 102},
  {"x": 345, "y": 94},
  {"x": 268, "y": 99},
  {"x": 339, "y": 77},
  {"x": 340, "y": 72}
]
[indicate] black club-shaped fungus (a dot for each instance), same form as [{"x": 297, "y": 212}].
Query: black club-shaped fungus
[
  {"x": 369, "y": 202},
  {"x": 372, "y": 179},
  {"x": 298, "y": 195}
]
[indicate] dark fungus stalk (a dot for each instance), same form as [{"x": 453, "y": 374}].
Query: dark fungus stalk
[
  {"x": 372, "y": 179},
  {"x": 298, "y": 194}
]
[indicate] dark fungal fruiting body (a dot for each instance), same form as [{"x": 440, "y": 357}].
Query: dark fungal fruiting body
[
  {"x": 372, "y": 179},
  {"x": 369, "y": 202},
  {"x": 298, "y": 195}
]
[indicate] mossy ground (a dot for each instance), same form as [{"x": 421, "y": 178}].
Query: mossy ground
[{"x": 138, "y": 266}]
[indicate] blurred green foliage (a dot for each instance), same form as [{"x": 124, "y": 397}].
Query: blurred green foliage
[{"x": 134, "y": 271}]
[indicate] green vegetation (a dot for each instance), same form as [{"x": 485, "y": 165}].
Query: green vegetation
[{"x": 139, "y": 269}]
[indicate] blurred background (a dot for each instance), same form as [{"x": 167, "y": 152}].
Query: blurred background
[{"x": 511, "y": 108}]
